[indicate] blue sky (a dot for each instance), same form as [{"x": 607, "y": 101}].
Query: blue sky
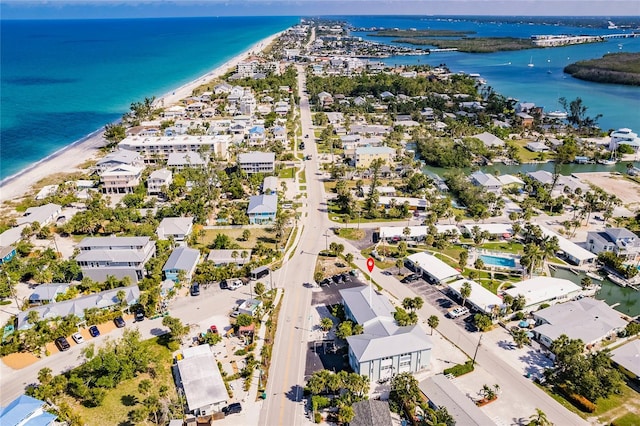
[{"x": 56, "y": 9}]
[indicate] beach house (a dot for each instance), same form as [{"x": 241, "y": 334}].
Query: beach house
[
  {"x": 539, "y": 290},
  {"x": 159, "y": 148},
  {"x": 624, "y": 136},
  {"x": 365, "y": 155},
  {"x": 183, "y": 260},
  {"x": 257, "y": 162},
  {"x": 262, "y": 209},
  {"x": 122, "y": 179},
  {"x": 384, "y": 349},
  {"x": 178, "y": 228},
  {"x": 120, "y": 157},
  {"x": 489, "y": 140},
  {"x": 159, "y": 181},
  {"x": 487, "y": 181},
  {"x": 620, "y": 241},
  {"x": 480, "y": 298},
  {"x": 431, "y": 268},
  {"x": 181, "y": 160},
  {"x": 26, "y": 411},
  {"x": 44, "y": 215},
  {"x": 47, "y": 293},
  {"x": 119, "y": 257}
]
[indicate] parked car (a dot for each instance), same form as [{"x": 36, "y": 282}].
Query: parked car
[
  {"x": 410, "y": 278},
  {"x": 234, "y": 285},
  {"x": 458, "y": 312},
  {"x": 195, "y": 289},
  {"x": 213, "y": 329},
  {"x": 308, "y": 157},
  {"x": 119, "y": 322},
  {"x": 62, "y": 344},
  {"x": 139, "y": 315},
  {"x": 234, "y": 408},
  {"x": 77, "y": 337},
  {"x": 93, "y": 331}
]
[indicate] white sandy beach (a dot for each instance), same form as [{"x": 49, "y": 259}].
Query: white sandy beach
[{"x": 70, "y": 157}]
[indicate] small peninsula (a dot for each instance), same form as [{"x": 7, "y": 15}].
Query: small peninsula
[{"x": 615, "y": 68}]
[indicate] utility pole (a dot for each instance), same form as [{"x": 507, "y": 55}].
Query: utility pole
[{"x": 476, "y": 352}]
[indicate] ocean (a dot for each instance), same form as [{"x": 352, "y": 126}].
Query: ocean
[{"x": 63, "y": 79}]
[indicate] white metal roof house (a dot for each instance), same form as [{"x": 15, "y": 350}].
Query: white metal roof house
[
  {"x": 199, "y": 377},
  {"x": 486, "y": 180},
  {"x": 47, "y": 293},
  {"x": 257, "y": 162},
  {"x": 489, "y": 140},
  {"x": 442, "y": 392},
  {"x": 42, "y": 214},
  {"x": 158, "y": 181},
  {"x": 540, "y": 290},
  {"x": 26, "y": 411},
  {"x": 104, "y": 299},
  {"x": 384, "y": 348},
  {"x": 627, "y": 356},
  {"x": 587, "y": 319},
  {"x": 481, "y": 298},
  {"x": 262, "y": 208},
  {"x": 181, "y": 259},
  {"x": 121, "y": 179},
  {"x": 498, "y": 229},
  {"x": 118, "y": 158},
  {"x": 433, "y": 269},
  {"x": 177, "y": 227},
  {"x": 180, "y": 160},
  {"x": 570, "y": 250},
  {"x": 270, "y": 185},
  {"x": 120, "y": 257}
]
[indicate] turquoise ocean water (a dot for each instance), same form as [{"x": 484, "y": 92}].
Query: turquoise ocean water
[{"x": 62, "y": 80}]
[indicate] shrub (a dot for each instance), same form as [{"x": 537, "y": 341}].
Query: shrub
[
  {"x": 578, "y": 400},
  {"x": 317, "y": 417},
  {"x": 460, "y": 369},
  {"x": 319, "y": 402},
  {"x": 519, "y": 315},
  {"x": 543, "y": 306},
  {"x": 240, "y": 352}
]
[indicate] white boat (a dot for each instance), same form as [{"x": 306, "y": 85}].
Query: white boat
[
  {"x": 530, "y": 64},
  {"x": 617, "y": 280},
  {"x": 607, "y": 162},
  {"x": 594, "y": 276},
  {"x": 561, "y": 115}
]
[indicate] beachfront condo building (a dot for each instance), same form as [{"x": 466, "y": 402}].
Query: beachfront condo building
[{"x": 159, "y": 147}]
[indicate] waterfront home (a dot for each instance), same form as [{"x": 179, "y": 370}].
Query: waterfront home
[
  {"x": 412, "y": 203},
  {"x": 121, "y": 179},
  {"x": 627, "y": 358},
  {"x": 563, "y": 183},
  {"x": 178, "y": 228},
  {"x": 365, "y": 155},
  {"x": 222, "y": 88},
  {"x": 247, "y": 103},
  {"x": 173, "y": 112},
  {"x": 539, "y": 290},
  {"x": 119, "y": 257},
  {"x": 384, "y": 348},
  {"x": 104, "y": 299},
  {"x": 158, "y": 181},
  {"x": 480, "y": 298},
  {"x": 226, "y": 257},
  {"x": 262, "y": 209},
  {"x": 47, "y": 191},
  {"x": 431, "y": 268},
  {"x": 257, "y": 136},
  {"x": 486, "y": 180},
  {"x": 622, "y": 242},
  {"x": 443, "y": 393},
  {"x": 510, "y": 180},
  {"x": 47, "y": 293},
  {"x": 385, "y": 191},
  {"x": 624, "y": 136},
  {"x": 182, "y": 259},
  {"x": 198, "y": 375},
  {"x": 26, "y": 411},
  {"x": 525, "y": 119},
  {"x": 257, "y": 162},
  {"x": 489, "y": 140},
  {"x": 587, "y": 319},
  {"x": 525, "y": 107},
  {"x": 181, "y": 160},
  {"x": 569, "y": 250},
  {"x": 44, "y": 215},
  {"x": 495, "y": 230},
  {"x": 160, "y": 147},
  {"x": 537, "y": 147}
]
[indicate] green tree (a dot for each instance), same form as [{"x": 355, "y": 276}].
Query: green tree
[
  {"x": 462, "y": 259},
  {"x": 433, "y": 322},
  {"x": 244, "y": 320},
  {"x": 520, "y": 338},
  {"x": 345, "y": 414},
  {"x": 345, "y": 329},
  {"x": 177, "y": 330},
  {"x": 539, "y": 419},
  {"x": 465, "y": 292},
  {"x": 246, "y": 234},
  {"x": 326, "y": 324},
  {"x": 259, "y": 289},
  {"x": 483, "y": 322},
  {"x": 404, "y": 390}
]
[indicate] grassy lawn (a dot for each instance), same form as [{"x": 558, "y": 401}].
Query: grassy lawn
[
  {"x": 351, "y": 233},
  {"x": 257, "y": 234},
  {"x": 489, "y": 284},
  {"x": 126, "y": 396},
  {"x": 379, "y": 264},
  {"x": 505, "y": 246},
  {"x": 303, "y": 177},
  {"x": 629, "y": 419},
  {"x": 287, "y": 173},
  {"x": 526, "y": 156}
]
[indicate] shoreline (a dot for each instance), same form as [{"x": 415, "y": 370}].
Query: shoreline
[{"x": 69, "y": 157}]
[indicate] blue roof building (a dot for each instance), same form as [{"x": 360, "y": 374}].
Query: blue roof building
[{"x": 25, "y": 411}]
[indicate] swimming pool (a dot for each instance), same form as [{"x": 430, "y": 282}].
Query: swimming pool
[{"x": 501, "y": 262}]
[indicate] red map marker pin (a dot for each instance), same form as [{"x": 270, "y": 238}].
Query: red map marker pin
[{"x": 370, "y": 264}]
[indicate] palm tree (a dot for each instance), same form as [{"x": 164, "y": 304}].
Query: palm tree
[
  {"x": 433, "y": 322},
  {"x": 532, "y": 257},
  {"x": 539, "y": 419},
  {"x": 465, "y": 291},
  {"x": 520, "y": 338}
]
